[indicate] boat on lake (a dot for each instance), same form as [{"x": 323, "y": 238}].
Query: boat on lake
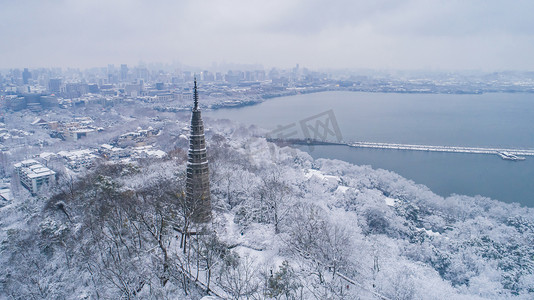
[{"x": 510, "y": 156}]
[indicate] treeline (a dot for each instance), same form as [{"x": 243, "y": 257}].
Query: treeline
[{"x": 284, "y": 226}]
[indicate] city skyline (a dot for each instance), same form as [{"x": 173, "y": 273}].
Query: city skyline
[{"x": 412, "y": 35}]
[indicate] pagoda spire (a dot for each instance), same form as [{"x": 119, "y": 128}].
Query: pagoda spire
[{"x": 195, "y": 95}]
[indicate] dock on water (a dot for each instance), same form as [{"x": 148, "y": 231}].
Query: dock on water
[{"x": 504, "y": 153}]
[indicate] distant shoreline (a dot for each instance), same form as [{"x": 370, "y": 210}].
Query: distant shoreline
[{"x": 265, "y": 97}]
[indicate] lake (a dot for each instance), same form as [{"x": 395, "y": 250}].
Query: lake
[{"x": 487, "y": 120}]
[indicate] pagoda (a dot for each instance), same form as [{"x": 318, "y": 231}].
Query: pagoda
[{"x": 198, "y": 182}]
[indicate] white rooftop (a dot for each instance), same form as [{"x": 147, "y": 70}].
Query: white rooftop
[
  {"x": 34, "y": 169},
  {"x": 6, "y": 194}
]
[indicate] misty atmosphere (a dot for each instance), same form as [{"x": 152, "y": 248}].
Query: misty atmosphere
[{"x": 266, "y": 150}]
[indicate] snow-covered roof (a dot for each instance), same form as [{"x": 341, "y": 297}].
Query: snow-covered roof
[
  {"x": 149, "y": 151},
  {"x": 46, "y": 155},
  {"x": 26, "y": 163},
  {"x": 316, "y": 173},
  {"x": 76, "y": 154},
  {"x": 41, "y": 173},
  {"x": 83, "y": 130},
  {"x": 38, "y": 121},
  {"x": 37, "y": 170},
  {"x": 6, "y": 194}
]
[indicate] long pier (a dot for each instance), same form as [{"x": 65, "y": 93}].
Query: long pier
[
  {"x": 505, "y": 153},
  {"x": 455, "y": 149}
]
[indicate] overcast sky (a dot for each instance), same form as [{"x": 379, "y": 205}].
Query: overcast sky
[{"x": 378, "y": 34}]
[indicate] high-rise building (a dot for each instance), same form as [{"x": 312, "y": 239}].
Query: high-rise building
[
  {"x": 207, "y": 76},
  {"x": 54, "y": 85},
  {"x": 75, "y": 90},
  {"x": 142, "y": 74},
  {"x": 124, "y": 72},
  {"x": 94, "y": 89},
  {"x": 198, "y": 196},
  {"x": 26, "y": 75}
]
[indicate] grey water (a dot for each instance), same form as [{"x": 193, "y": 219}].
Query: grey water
[{"x": 504, "y": 120}]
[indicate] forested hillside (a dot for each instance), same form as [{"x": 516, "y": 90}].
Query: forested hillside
[{"x": 285, "y": 226}]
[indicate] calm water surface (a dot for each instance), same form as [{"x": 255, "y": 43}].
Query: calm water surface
[{"x": 487, "y": 120}]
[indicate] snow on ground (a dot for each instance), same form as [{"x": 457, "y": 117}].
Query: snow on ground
[
  {"x": 257, "y": 241},
  {"x": 232, "y": 233},
  {"x": 429, "y": 232},
  {"x": 390, "y": 201}
]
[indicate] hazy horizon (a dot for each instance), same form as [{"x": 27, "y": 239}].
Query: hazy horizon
[{"x": 378, "y": 35}]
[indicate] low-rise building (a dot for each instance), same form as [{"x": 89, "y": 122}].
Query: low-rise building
[
  {"x": 113, "y": 153},
  {"x": 33, "y": 175},
  {"x": 77, "y": 159},
  {"x": 5, "y": 195},
  {"x": 147, "y": 151},
  {"x": 138, "y": 136}
]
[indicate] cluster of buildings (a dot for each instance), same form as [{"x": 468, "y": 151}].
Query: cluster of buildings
[
  {"x": 124, "y": 154},
  {"x": 35, "y": 101},
  {"x": 33, "y": 173},
  {"x": 138, "y": 137},
  {"x": 39, "y": 89},
  {"x": 69, "y": 131},
  {"x": 6, "y": 134},
  {"x": 49, "y": 88},
  {"x": 77, "y": 159}
]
